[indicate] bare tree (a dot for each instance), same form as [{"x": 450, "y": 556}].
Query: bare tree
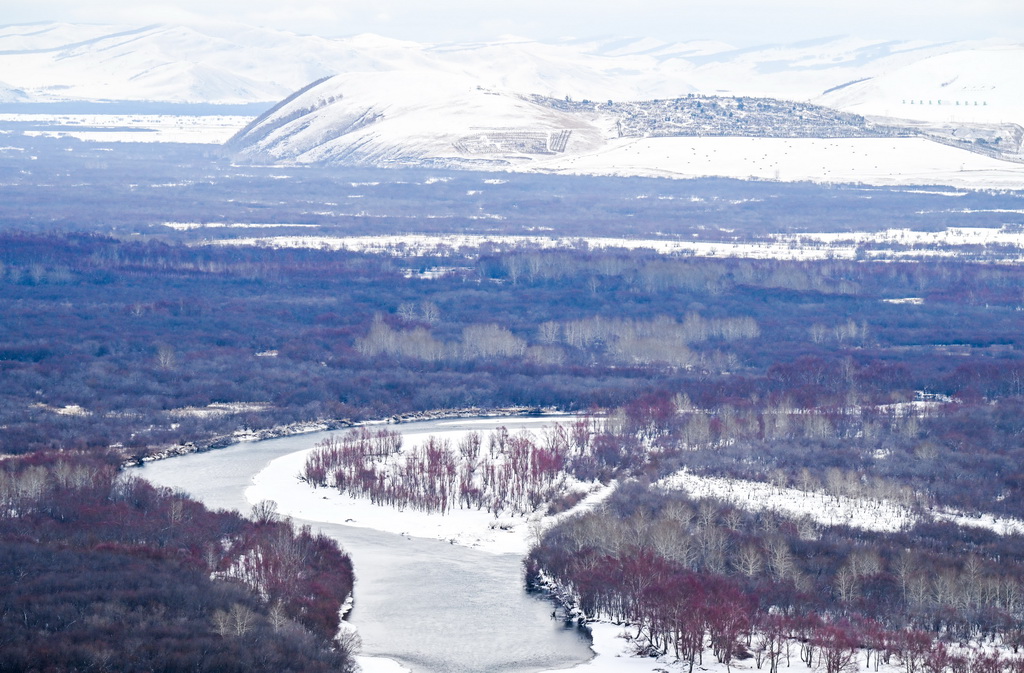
[
  {"x": 165, "y": 357},
  {"x": 749, "y": 560},
  {"x": 264, "y": 512}
]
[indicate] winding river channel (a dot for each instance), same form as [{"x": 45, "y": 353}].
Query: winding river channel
[{"x": 429, "y": 605}]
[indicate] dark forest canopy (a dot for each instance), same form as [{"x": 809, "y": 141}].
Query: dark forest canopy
[
  {"x": 102, "y": 571},
  {"x": 130, "y": 342}
]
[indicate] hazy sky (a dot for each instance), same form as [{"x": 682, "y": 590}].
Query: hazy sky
[{"x": 740, "y": 22}]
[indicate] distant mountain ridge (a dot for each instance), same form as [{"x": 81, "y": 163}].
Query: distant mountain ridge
[
  {"x": 233, "y": 64},
  {"x": 829, "y": 109}
]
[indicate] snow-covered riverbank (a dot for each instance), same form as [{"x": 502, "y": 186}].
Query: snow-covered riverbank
[{"x": 307, "y": 427}]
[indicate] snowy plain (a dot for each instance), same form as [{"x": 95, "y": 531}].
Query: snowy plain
[
  {"x": 871, "y": 161},
  {"x": 231, "y": 63},
  {"x": 131, "y": 128}
]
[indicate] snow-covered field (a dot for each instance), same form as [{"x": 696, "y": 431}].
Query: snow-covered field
[
  {"x": 1005, "y": 244},
  {"x": 129, "y": 128},
  {"x": 874, "y": 161},
  {"x": 985, "y": 90},
  {"x": 419, "y": 244},
  {"x": 188, "y": 226},
  {"x": 949, "y": 237}
]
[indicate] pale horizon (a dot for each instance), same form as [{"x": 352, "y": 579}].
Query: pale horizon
[{"x": 739, "y": 23}]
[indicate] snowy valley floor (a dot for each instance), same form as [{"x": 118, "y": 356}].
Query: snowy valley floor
[{"x": 873, "y": 161}]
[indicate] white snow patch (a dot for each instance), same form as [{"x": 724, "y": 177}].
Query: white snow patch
[
  {"x": 613, "y": 653},
  {"x": 822, "y": 508},
  {"x": 186, "y": 226},
  {"x": 905, "y": 300},
  {"x": 66, "y": 410},
  {"x": 220, "y": 409}
]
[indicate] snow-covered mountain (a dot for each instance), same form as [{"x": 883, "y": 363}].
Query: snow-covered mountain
[
  {"x": 226, "y": 63},
  {"x": 413, "y": 117},
  {"x": 233, "y": 64},
  {"x": 425, "y": 118}
]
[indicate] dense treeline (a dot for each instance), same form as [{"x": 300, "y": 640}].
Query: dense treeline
[
  {"x": 691, "y": 574},
  {"x": 99, "y": 571},
  {"x": 145, "y": 344},
  {"x": 962, "y": 453}
]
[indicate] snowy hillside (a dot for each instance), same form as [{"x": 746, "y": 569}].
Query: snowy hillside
[
  {"x": 413, "y": 118},
  {"x": 976, "y": 85}
]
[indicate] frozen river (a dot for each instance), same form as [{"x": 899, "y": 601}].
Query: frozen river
[{"x": 429, "y": 605}]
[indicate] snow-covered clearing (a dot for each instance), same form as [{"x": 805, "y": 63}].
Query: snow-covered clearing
[
  {"x": 133, "y": 128},
  {"x": 66, "y": 410},
  {"x": 187, "y": 226},
  {"x": 823, "y": 508},
  {"x": 219, "y": 409},
  {"x": 950, "y": 237},
  {"x": 420, "y": 244}
]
